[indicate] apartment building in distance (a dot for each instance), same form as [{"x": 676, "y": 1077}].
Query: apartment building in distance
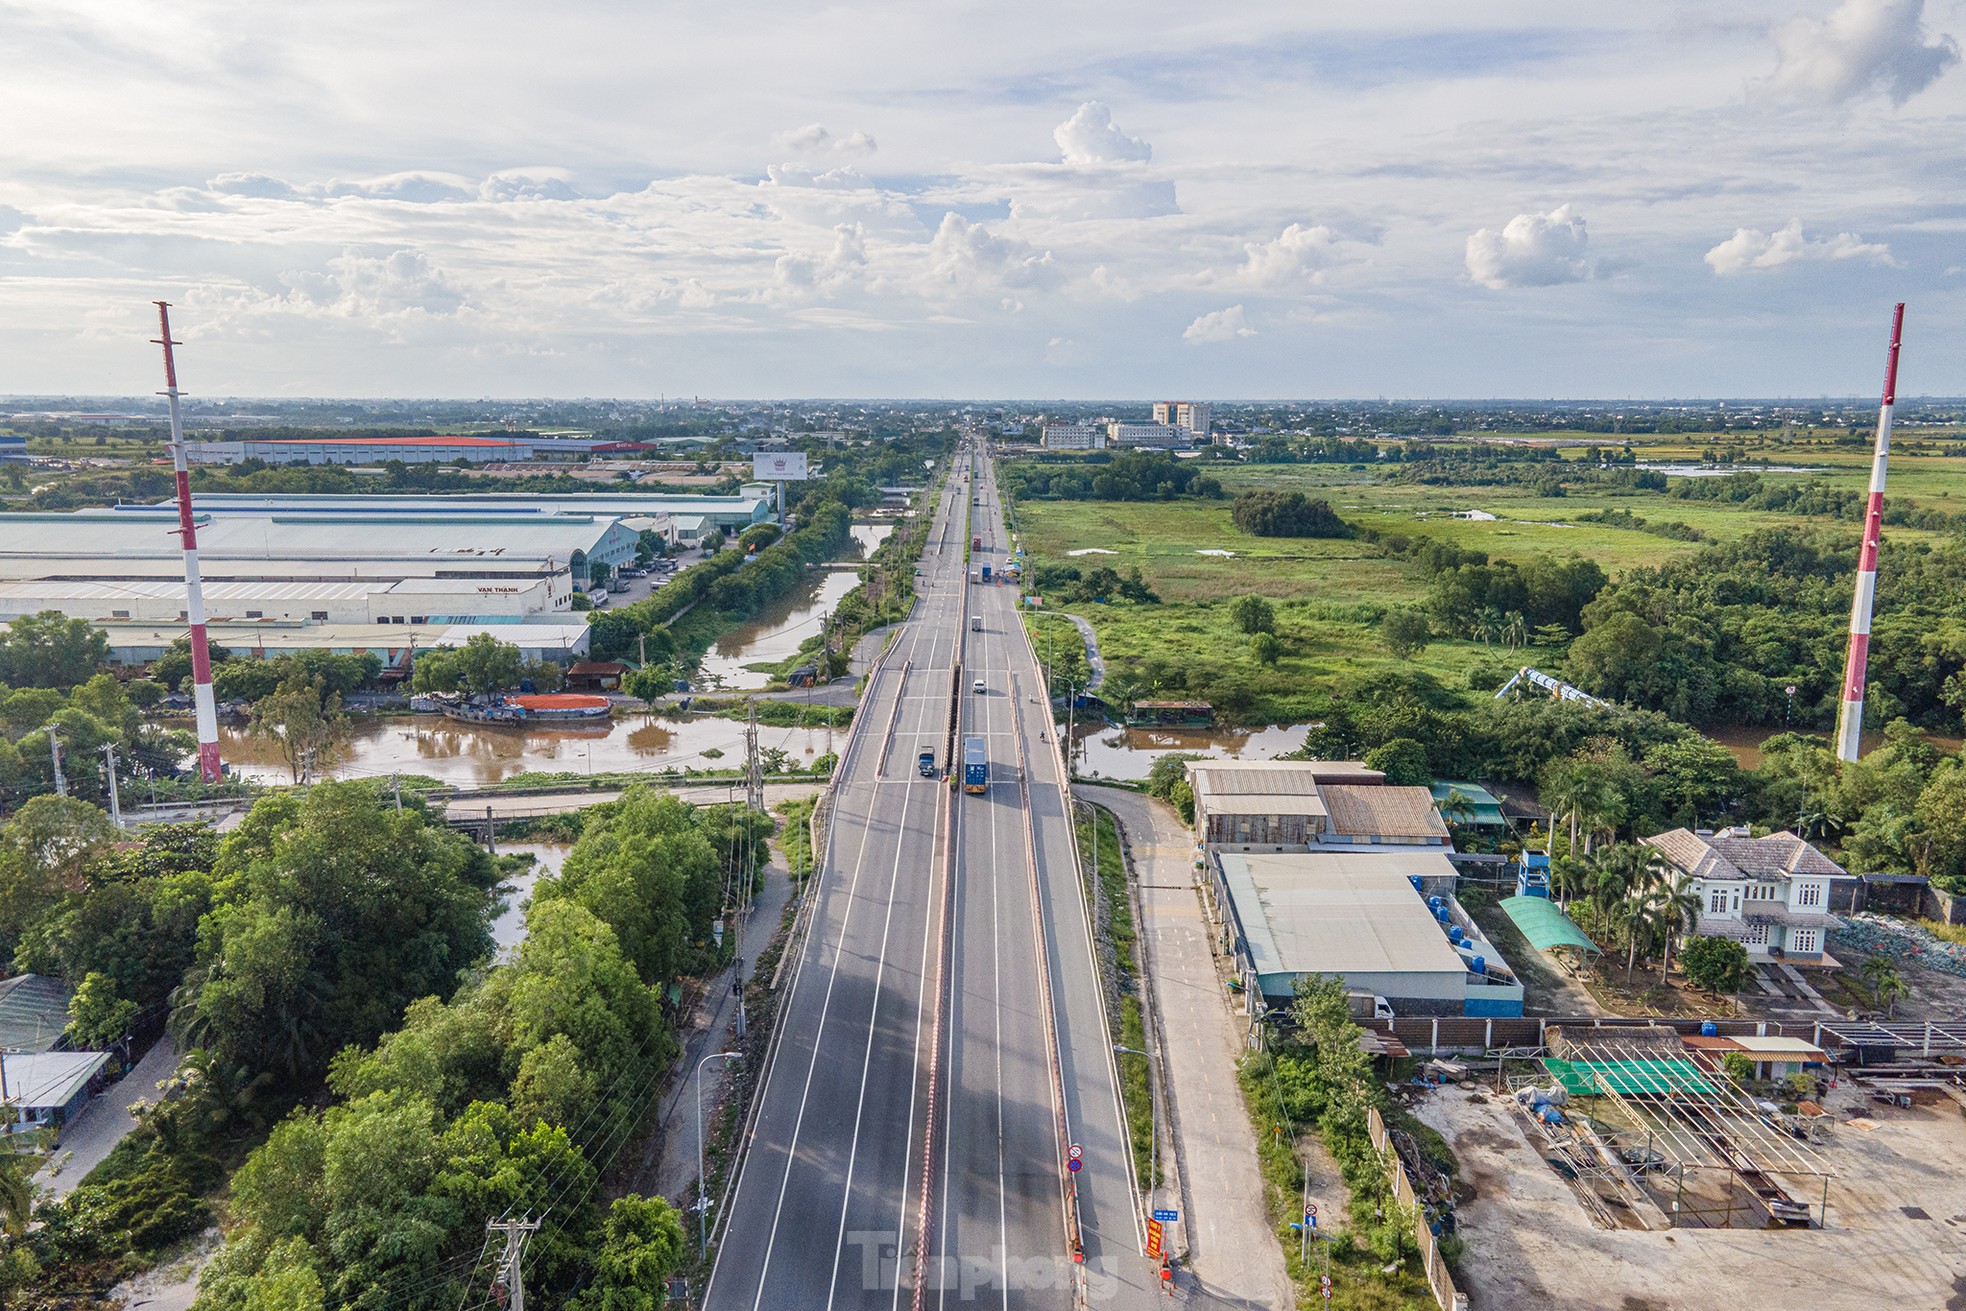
[{"x": 1192, "y": 415}]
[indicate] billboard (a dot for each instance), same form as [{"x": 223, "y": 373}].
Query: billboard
[{"x": 779, "y": 466}]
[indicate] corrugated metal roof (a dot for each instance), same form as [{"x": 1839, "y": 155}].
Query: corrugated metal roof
[
  {"x": 1543, "y": 922},
  {"x": 1393, "y": 812},
  {"x": 33, "y": 1012},
  {"x": 37, "y": 1081},
  {"x": 58, "y": 541},
  {"x": 1338, "y": 913}
]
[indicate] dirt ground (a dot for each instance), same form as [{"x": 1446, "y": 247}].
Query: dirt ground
[{"x": 1896, "y": 1237}]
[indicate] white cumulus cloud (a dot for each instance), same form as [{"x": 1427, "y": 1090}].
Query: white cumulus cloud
[
  {"x": 1090, "y": 136},
  {"x": 968, "y": 257},
  {"x": 1864, "y": 46},
  {"x": 1219, "y": 325},
  {"x": 1298, "y": 252},
  {"x": 1751, "y": 248},
  {"x": 1532, "y": 250}
]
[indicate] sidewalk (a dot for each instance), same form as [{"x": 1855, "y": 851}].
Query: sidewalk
[
  {"x": 710, "y": 1029},
  {"x": 105, "y": 1121},
  {"x": 1233, "y": 1251}
]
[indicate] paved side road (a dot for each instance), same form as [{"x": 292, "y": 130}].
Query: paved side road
[
  {"x": 1233, "y": 1251},
  {"x": 104, "y": 1122}
]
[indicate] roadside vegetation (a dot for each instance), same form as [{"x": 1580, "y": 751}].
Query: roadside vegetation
[{"x": 1313, "y": 1079}]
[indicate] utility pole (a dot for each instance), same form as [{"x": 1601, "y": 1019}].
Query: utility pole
[
  {"x": 396, "y": 786},
  {"x": 109, "y": 767},
  {"x": 54, "y": 751},
  {"x": 510, "y": 1277}
]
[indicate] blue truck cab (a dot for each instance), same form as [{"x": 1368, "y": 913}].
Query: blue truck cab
[{"x": 925, "y": 762}]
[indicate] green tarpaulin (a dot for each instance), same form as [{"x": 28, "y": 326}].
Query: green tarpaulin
[
  {"x": 1640, "y": 1078},
  {"x": 1543, "y": 922}
]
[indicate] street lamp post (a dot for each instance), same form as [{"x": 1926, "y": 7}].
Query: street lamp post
[
  {"x": 1153, "y": 1121},
  {"x": 702, "y": 1182}
]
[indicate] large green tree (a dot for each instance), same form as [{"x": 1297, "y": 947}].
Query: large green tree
[
  {"x": 50, "y": 650},
  {"x": 335, "y": 913}
]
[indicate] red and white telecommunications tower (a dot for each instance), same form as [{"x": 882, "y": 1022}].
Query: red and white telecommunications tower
[
  {"x": 1850, "y": 720},
  {"x": 194, "y": 607}
]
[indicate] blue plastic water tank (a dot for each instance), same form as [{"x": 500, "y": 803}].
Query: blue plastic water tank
[
  {"x": 1415, "y": 880},
  {"x": 1440, "y": 913},
  {"x": 1454, "y": 934},
  {"x": 1708, "y": 1029},
  {"x": 1479, "y": 964},
  {"x": 1434, "y": 903}
]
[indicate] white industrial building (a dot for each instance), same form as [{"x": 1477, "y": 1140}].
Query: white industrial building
[
  {"x": 379, "y": 450},
  {"x": 1321, "y": 868},
  {"x": 380, "y": 601},
  {"x": 1075, "y": 436},
  {"x": 733, "y": 513},
  {"x": 396, "y": 645},
  {"x": 1149, "y": 436},
  {"x": 127, "y": 544}
]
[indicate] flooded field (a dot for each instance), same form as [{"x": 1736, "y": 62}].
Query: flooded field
[
  {"x": 1107, "y": 751},
  {"x": 472, "y": 754}
]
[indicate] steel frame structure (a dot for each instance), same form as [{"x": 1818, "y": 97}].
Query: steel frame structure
[{"x": 1704, "y": 1123}]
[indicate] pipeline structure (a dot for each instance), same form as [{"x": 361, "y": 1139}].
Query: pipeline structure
[
  {"x": 209, "y": 766},
  {"x": 1850, "y": 718}
]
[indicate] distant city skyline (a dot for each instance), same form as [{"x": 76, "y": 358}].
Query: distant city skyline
[{"x": 889, "y": 200}]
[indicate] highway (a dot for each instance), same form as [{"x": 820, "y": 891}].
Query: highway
[{"x": 942, "y": 1042}]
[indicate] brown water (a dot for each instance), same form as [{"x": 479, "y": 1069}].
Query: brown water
[
  {"x": 469, "y": 754},
  {"x": 1745, "y": 741},
  {"x": 1106, "y": 751},
  {"x": 509, "y": 929},
  {"x": 783, "y": 626}
]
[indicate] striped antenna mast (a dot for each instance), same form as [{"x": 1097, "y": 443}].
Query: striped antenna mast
[
  {"x": 1850, "y": 720},
  {"x": 194, "y": 607}
]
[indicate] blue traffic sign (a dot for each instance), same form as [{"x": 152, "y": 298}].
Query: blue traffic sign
[
  {"x": 1073, "y": 1165},
  {"x": 1167, "y": 1215}
]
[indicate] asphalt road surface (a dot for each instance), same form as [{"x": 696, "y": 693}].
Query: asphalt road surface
[{"x": 943, "y": 1042}]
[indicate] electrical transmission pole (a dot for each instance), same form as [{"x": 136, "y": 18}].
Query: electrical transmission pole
[
  {"x": 54, "y": 752},
  {"x": 510, "y": 1277},
  {"x": 109, "y": 766}
]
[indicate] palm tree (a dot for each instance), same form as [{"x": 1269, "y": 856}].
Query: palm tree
[
  {"x": 1515, "y": 630},
  {"x": 1675, "y": 908},
  {"x": 1633, "y": 916},
  {"x": 16, "y": 1190},
  {"x": 1455, "y": 807}
]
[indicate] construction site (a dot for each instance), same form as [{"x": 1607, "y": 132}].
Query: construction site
[{"x": 1634, "y": 1166}]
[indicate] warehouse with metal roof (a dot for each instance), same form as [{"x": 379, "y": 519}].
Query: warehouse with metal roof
[
  {"x": 113, "y": 545},
  {"x": 1363, "y": 917},
  {"x": 733, "y": 512}
]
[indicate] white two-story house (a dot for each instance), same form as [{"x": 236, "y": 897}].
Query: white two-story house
[{"x": 1771, "y": 894}]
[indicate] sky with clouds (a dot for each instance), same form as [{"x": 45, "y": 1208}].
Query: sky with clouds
[{"x": 1004, "y": 199}]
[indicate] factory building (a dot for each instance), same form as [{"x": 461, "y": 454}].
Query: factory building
[
  {"x": 730, "y": 513},
  {"x": 379, "y": 450},
  {"x": 1149, "y": 436},
  {"x": 113, "y": 546},
  {"x": 1319, "y": 868},
  {"x": 378, "y": 601},
  {"x": 396, "y": 645}
]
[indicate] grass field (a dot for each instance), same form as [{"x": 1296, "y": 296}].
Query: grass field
[{"x": 1329, "y": 594}]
